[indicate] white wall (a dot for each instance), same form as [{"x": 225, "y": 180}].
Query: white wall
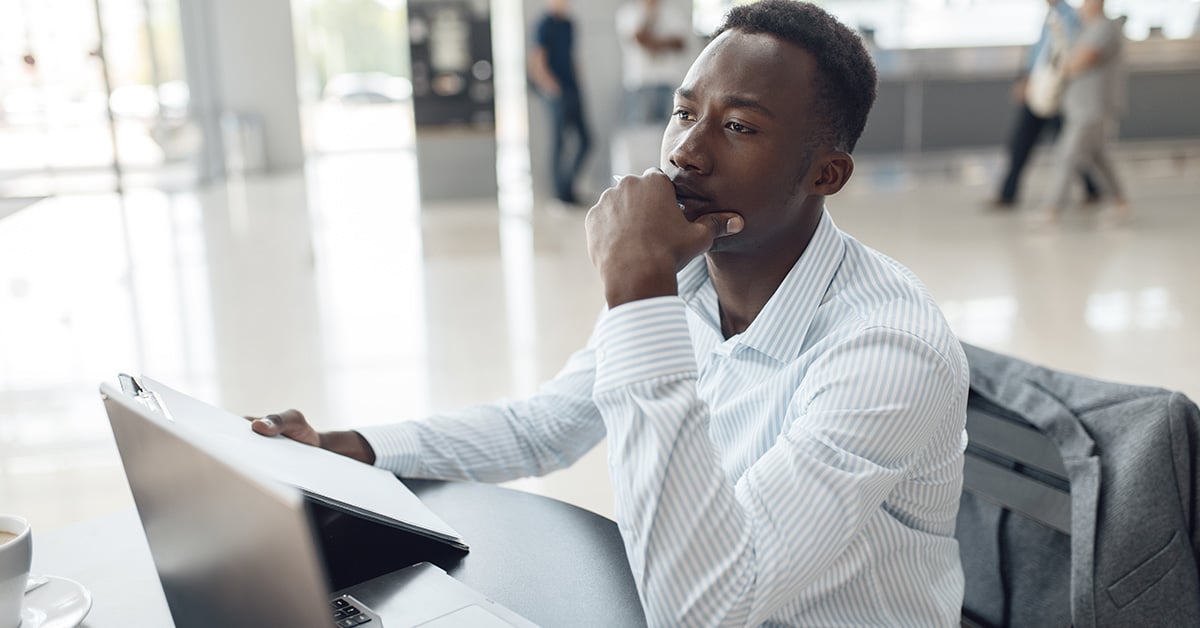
[{"x": 240, "y": 57}]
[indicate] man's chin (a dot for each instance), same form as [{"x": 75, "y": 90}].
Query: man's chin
[{"x": 723, "y": 244}]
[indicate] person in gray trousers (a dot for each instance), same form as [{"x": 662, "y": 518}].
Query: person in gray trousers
[{"x": 1091, "y": 100}]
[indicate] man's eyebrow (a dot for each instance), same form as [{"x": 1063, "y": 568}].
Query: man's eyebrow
[{"x": 739, "y": 102}]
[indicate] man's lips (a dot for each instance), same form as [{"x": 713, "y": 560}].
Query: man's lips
[
  {"x": 693, "y": 203},
  {"x": 685, "y": 192}
]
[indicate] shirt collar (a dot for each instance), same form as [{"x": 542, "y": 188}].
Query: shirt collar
[{"x": 779, "y": 329}]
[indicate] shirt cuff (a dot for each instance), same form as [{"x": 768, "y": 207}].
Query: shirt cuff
[
  {"x": 643, "y": 340},
  {"x": 396, "y": 447}
]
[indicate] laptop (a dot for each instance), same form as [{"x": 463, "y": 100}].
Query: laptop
[{"x": 235, "y": 550}]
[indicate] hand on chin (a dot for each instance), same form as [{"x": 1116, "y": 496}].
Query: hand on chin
[{"x": 638, "y": 238}]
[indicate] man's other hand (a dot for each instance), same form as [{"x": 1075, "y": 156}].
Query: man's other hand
[{"x": 292, "y": 424}]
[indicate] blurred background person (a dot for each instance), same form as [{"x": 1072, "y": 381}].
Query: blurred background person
[
  {"x": 654, "y": 57},
  {"x": 1092, "y": 99},
  {"x": 1061, "y": 21},
  {"x": 553, "y": 71}
]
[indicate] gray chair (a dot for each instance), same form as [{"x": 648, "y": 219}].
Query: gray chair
[{"x": 1079, "y": 501}]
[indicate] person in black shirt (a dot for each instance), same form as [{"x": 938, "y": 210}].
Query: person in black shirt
[{"x": 552, "y": 70}]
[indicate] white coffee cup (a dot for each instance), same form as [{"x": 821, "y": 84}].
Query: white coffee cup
[{"x": 16, "y": 555}]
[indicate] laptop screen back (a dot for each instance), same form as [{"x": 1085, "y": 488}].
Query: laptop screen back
[{"x": 230, "y": 550}]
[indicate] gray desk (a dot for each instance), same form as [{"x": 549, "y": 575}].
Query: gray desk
[{"x": 556, "y": 564}]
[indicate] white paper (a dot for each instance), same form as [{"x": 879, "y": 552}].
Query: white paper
[{"x": 336, "y": 478}]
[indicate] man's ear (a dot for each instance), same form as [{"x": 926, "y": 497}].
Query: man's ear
[{"x": 833, "y": 171}]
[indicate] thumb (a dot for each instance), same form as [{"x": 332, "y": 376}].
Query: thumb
[
  {"x": 270, "y": 425},
  {"x": 289, "y": 423},
  {"x": 721, "y": 224}
]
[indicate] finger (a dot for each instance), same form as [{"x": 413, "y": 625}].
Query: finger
[
  {"x": 269, "y": 425},
  {"x": 660, "y": 178},
  {"x": 721, "y": 224}
]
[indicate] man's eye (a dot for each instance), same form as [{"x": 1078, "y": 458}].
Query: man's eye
[
  {"x": 738, "y": 128},
  {"x": 681, "y": 114}
]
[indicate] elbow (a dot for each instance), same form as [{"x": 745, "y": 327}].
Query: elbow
[
  {"x": 726, "y": 602},
  {"x": 696, "y": 615}
]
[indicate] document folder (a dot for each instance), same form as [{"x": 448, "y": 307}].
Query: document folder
[{"x": 336, "y": 481}]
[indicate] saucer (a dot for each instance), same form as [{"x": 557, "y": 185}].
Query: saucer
[{"x": 60, "y": 603}]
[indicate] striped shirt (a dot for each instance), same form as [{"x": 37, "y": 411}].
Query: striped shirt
[{"x": 804, "y": 472}]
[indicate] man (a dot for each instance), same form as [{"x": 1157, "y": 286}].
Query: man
[
  {"x": 1093, "y": 97},
  {"x": 653, "y": 36},
  {"x": 785, "y": 416},
  {"x": 552, "y": 70},
  {"x": 1029, "y": 125}
]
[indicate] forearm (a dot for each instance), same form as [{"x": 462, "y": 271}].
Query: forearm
[
  {"x": 1081, "y": 61},
  {"x": 659, "y": 44},
  {"x": 496, "y": 443},
  {"x": 687, "y": 538},
  {"x": 500, "y": 441},
  {"x": 540, "y": 74}
]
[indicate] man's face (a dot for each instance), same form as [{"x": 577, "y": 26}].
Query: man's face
[{"x": 740, "y": 138}]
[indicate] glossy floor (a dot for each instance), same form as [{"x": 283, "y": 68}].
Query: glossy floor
[{"x": 334, "y": 291}]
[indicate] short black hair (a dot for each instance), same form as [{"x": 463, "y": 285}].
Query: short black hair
[{"x": 845, "y": 80}]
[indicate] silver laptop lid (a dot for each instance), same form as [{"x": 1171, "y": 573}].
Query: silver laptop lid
[{"x": 231, "y": 550}]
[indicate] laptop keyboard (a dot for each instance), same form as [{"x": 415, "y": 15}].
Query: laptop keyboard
[{"x": 346, "y": 613}]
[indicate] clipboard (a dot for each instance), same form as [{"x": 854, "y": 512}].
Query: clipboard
[{"x": 325, "y": 477}]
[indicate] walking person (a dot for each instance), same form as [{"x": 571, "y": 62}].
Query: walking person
[
  {"x": 1091, "y": 101},
  {"x": 552, "y": 69},
  {"x": 1061, "y": 22}
]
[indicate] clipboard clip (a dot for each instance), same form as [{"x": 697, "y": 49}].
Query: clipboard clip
[{"x": 132, "y": 387}]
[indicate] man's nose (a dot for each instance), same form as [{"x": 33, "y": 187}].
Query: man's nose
[{"x": 690, "y": 152}]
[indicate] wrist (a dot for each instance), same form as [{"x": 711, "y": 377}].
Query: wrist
[
  {"x": 628, "y": 288},
  {"x": 348, "y": 443}
]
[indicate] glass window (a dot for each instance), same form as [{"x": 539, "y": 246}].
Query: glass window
[
  {"x": 55, "y": 132},
  {"x": 352, "y": 64}
]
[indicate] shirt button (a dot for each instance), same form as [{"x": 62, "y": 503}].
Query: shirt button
[{"x": 600, "y": 355}]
